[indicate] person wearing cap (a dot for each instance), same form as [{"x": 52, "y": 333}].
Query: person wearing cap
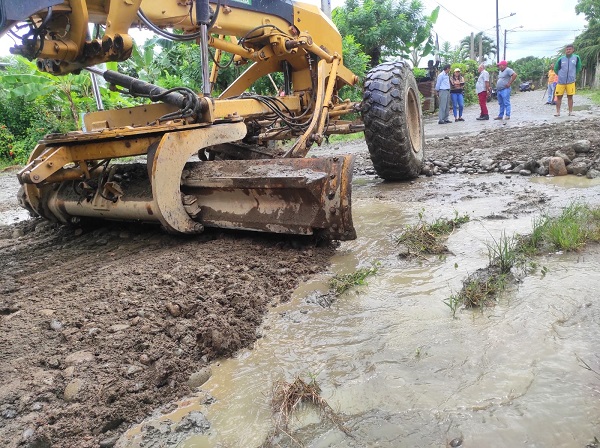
[
  {"x": 566, "y": 68},
  {"x": 506, "y": 76},
  {"x": 442, "y": 87},
  {"x": 482, "y": 87},
  {"x": 457, "y": 85}
]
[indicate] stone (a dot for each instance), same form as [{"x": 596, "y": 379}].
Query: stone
[
  {"x": 72, "y": 389},
  {"x": 542, "y": 170},
  {"x": 195, "y": 422},
  {"x": 593, "y": 174},
  {"x": 557, "y": 167},
  {"x": 200, "y": 377},
  {"x": 79, "y": 357},
  {"x": 578, "y": 168},
  {"x": 56, "y": 325},
  {"x": 117, "y": 327},
  {"x": 109, "y": 442},
  {"x": 563, "y": 156},
  {"x": 17, "y": 233},
  {"x": 525, "y": 173},
  {"x": 582, "y": 146}
]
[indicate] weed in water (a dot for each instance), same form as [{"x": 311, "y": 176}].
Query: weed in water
[
  {"x": 341, "y": 283},
  {"x": 453, "y": 302},
  {"x": 482, "y": 287},
  {"x": 424, "y": 238},
  {"x": 502, "y": 252},
  {"x": 577, "y": 224}
]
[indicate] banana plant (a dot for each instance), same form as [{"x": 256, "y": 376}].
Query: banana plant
[{"x": 66, "y": 89}]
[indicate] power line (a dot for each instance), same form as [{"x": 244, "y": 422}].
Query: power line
[
  {"x": 551, "y": 31},
  {"x": 450, "y": 12}
]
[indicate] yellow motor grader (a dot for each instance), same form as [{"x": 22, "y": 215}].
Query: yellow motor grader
[{"x": 210, "y": 160}]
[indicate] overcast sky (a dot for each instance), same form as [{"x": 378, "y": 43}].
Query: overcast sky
[{"x": 546, "y": 26}]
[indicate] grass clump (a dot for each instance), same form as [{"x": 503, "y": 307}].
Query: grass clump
[
  {"x": 503, "y": 253},
  {"x": 571, "y": 230},
  {"x": 339, "y": 284},
  {"x": 427, "y": 238}
]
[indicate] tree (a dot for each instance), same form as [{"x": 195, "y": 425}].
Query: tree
[
  {"x": 449, "y": 55},
  {"x": 587, "y": 44},
  {"x": 382, "y": 27},
  {"x": 590, "y": 9},
  {"x": 488, "y": 46},
  {"x": 531, "y": 68},
  {"x": 421, "y": 43}
]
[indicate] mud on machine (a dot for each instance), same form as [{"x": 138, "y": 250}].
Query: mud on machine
[{"x": 209, "y": 160}]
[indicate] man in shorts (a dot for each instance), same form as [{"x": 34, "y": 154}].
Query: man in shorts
[{"x": 566, "y": 67}]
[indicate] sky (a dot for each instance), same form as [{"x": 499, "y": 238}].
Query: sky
[{"x": 546, "y": 26}]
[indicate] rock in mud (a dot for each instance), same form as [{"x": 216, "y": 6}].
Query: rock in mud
[
  {"x": 582, "y": 146},
  {"x": 200, "y": 377},
  {"x": 557, "y": 167}
]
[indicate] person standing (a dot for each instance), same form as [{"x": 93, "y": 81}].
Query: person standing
[
  {"x": 482, "y": 87},
  {"x": 567, "y": 67},
  {"x": 552, "y": 80},
  {"x": 442, "y": 87},
  {"x": 506, "y": 76},
  {"x": 457, "y": 86}
]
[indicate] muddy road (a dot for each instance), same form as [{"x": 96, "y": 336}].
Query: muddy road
[{"x": 102, "y": 326}]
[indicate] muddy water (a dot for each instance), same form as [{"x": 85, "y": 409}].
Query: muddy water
[{"x": 399, "y": 370}]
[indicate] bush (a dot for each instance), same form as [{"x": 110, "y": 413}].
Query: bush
[{"x": 7, "y": 140}]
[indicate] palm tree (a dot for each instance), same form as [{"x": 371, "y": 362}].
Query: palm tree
[{"x": 489, "y": 47}]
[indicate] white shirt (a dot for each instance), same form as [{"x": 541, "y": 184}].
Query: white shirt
[{"x": 480, "y": 85}]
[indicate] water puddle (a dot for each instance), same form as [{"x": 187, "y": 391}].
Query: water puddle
[
  {"x": 567, "y": 181},
  {"x": 399, "y": 370}
]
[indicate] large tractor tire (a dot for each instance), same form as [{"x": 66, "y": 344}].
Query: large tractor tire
[{"x": 393, "y": 121}]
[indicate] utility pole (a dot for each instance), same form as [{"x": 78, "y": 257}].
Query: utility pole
[
  {"x": 497, "y": 35},
  {"x": 472, "y": 46},
  {"x": 326, "y": 7},
  {"x": 504, "y": 57}
]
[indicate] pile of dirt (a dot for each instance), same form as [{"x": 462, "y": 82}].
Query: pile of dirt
[{"x": 101, "y": 326}]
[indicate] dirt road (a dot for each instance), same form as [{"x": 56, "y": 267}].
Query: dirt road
[{"x": 103, "y": 325}]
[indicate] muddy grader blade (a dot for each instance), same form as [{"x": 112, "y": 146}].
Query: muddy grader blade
[{"x": 303, "y": 196}]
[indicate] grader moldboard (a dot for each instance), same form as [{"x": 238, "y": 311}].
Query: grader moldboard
[{"x": 210, "y": 161}]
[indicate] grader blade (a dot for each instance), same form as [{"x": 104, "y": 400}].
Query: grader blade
[{"x": 295, "y": 196}]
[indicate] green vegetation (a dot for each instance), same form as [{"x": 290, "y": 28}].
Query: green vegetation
[
  {"x": 577, "y": 225},
  {"x": 594, "y": 95},
  {"x": 426, "y": 238},
  {"x": 502, "y": 252},
  {"x": 339, "y": 284},
  {"x": 380, "y": 27}
]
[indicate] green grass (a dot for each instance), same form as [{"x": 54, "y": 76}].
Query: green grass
[
  {"x": 427, "y": 238},
  {"x": 503, "y": 252},
  {"x": 339, "y": 284},
  {"x": 577, "y": 225},
  {"x": 343, "y": 138},
  {"x": 593, "y": 94}
]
